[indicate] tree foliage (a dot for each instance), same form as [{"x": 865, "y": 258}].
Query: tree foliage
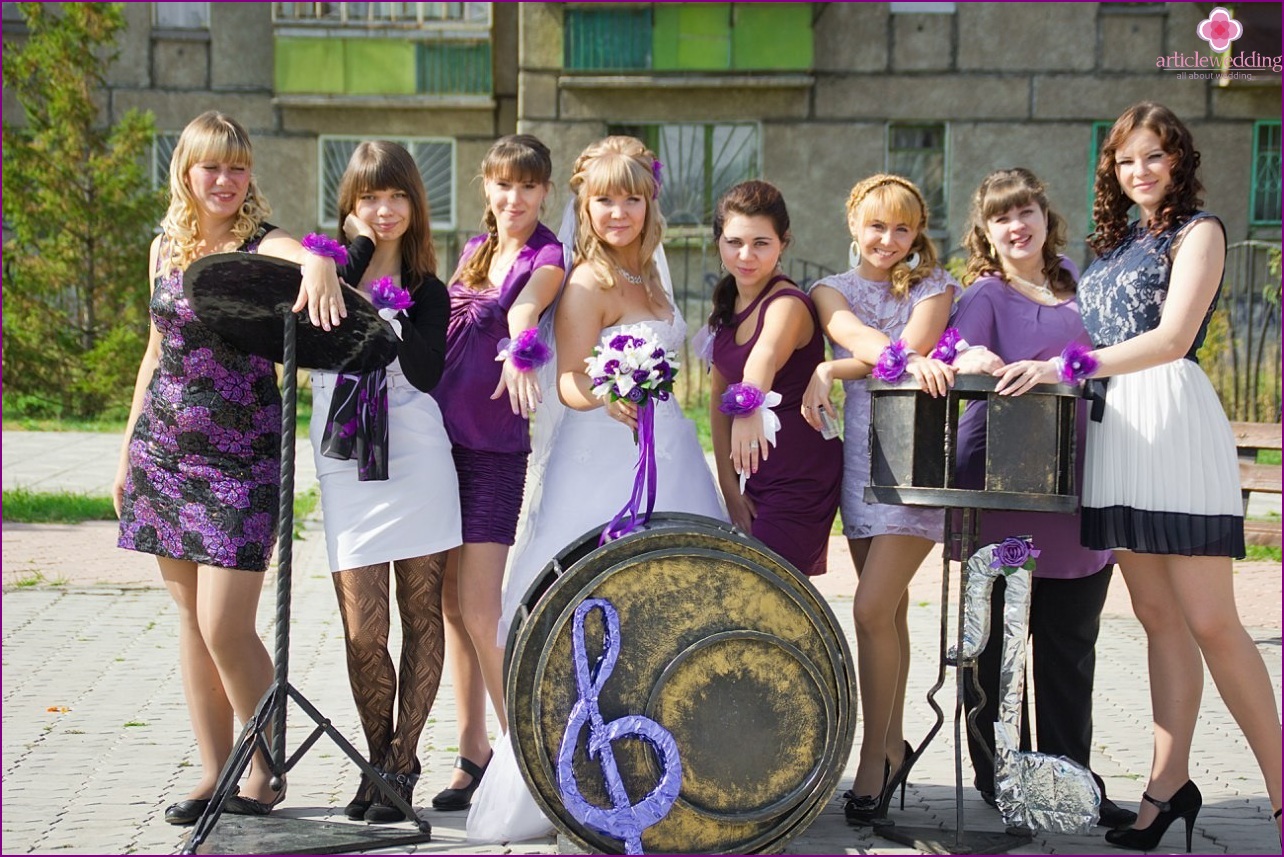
[{"x": 79, "y": 210}]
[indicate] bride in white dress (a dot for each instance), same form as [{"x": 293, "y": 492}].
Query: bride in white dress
[{"x": 582, "y": 464}]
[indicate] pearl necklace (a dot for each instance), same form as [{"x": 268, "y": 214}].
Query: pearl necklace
[
  {"x": 1041, "y": 291},
  {"x": 635, "y": 279}
]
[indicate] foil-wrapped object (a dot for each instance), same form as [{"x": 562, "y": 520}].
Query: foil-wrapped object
[{"x": 1033, "y": 790}]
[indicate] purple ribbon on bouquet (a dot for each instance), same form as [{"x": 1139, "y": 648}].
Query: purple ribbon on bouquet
[{"x": 629, "y": 519}]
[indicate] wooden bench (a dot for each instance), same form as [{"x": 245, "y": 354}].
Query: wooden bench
[{"x": 1265, "y": 478}]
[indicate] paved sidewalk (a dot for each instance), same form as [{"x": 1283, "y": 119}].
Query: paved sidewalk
[{"x": 96, "y": 741}]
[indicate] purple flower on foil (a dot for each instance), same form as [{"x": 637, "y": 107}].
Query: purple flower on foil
[
  {"x": 1013, "y": 552},
  {"x": 1077, "y": 363},
  {"x": 384, "y": 294},
  {"x": 323, "y": 245},
  {"x": 741, "y": 399},
  {"x": 947, "y": 347},
  {"x": 891, "y": 363}
]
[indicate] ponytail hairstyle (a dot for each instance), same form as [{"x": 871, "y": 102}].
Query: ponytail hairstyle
[
  {"x": 518, "y": 158},
  {"x": 382, "y": 165},
  {"x": 747, "y": 199},
  {"x": 888, "y": 197},
  {"x": 212, "y": 136},
  {"x": 616, "y": 165},
  {"x": 1110, "y": 204},
  {"x": 1001, "y": 191}
]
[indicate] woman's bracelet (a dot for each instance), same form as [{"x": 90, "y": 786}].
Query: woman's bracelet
[
  {"x": 892, "y": 361},
  {"x": 949, "y": 346},
  {"x": 740, "y": 400},
  {"x": 527, "y": 351},
  {"x": 1075, "y": 363},
  {"x": 323, "y": 245}
]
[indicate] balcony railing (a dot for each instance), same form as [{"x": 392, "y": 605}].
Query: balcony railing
[{"x": 387, "y": 15}]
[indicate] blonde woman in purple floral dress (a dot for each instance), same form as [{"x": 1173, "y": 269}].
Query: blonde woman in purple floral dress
[{"x": 198, "y": 480}]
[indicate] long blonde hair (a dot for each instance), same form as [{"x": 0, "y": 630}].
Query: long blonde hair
[
  {"x": 889, "y": 197},
  {"x": 212, "y": 136},
  {"x": 516, "y": 158},
  {"x": 616, "y": 165}
]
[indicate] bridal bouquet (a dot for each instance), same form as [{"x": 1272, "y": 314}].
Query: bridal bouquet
[{"x": 634, "y": 365}]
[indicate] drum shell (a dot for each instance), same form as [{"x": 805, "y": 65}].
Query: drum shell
[{"x": 723, "y": 643}]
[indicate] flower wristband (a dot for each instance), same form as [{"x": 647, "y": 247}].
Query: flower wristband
[
  {"x": 323, "y": 245},
  {"x": 1075, "y": 364},
  {"x": 892, "y": 361},
  {"x": 527, "y": 351},
  {"x": 950, "y": 346},
  {"x": 740, "y": 400}
]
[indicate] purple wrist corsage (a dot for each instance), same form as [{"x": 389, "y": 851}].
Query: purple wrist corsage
[
  {"x": 949, "y": 346},
  {"x": 385, "y": 295},
  {"x": 323, "y": 245},
  {"x": 1077, "y": 363},
  {"x": 891, "y": 363},
  {"x": 741, "y": 400},
  {"x": 527, "y": 351}
]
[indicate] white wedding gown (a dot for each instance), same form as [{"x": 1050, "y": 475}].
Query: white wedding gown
[{"x": 580, "y": 480}]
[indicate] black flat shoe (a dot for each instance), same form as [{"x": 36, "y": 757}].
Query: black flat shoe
[
  {"x": 238, "y": 805},
  {"x": 448, "y": 800},
  {"x": 356, "y": 808},
  {"x": 186, "y": 811},
  {"x": 1184, "y": 804},
  {"x": 404, "y": 784}
]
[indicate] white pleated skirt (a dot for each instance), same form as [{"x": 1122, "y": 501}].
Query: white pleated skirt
[{"x": 1161, "y": 473}]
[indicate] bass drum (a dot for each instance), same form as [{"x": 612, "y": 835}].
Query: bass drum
[{"x": 721, "y": 642}]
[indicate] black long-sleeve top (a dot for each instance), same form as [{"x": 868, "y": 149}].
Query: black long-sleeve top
[{"x": 422, "y": 349}]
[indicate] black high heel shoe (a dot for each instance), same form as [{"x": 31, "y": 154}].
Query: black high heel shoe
[
  {"x": 356, "y": 808},
  {"x": 863, "y": 810},
  {"x": 1185, "y": 804},
  {"x": 452, "y": 799},
  {"x": 404, "y": 784},
  {"x": 899, "y": 778}
]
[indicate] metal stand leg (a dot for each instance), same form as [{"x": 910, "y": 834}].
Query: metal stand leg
[
  {"x": 269, "y": 718},
  {"x": 934, "y": 840}
]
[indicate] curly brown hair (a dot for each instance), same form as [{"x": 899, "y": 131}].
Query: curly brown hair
[
  {"x": 1110, "y": 205},
  {"x": 890, "y": 196},
  {"x": 1000, "y": 191}
]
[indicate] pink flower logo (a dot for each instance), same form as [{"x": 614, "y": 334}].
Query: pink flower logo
[{"x": 1219, "y": 29}]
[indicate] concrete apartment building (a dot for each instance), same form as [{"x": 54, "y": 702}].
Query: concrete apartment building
[{"x": 811, "y": 96}]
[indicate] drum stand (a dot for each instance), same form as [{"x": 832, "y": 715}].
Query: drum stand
[
  {"x": 934, "y": 840},
  {"x": 269, "y": 718}
]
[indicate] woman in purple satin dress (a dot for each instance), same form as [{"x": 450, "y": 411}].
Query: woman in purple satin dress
[
  {"x": 782, "y": 490},
  {"x": 507, "y": 277},
  {"x": 199, "y": 473}
]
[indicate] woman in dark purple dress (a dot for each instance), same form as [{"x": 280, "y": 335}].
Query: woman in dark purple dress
[
  {"x": 199, "y": 472},
  {"x": 507, "y": 277},
  {"x": 781, "y": 485}
]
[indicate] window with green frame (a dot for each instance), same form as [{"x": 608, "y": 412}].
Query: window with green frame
[
  {"x": 1100, "y": 130},
  {"x": 1264, "y": 208},
  {"x": 373, "y": 66},
  {"x": 689, "y": 37},
  {"x": 700, "y": 163},
  {"x": 917, "y": 151}
]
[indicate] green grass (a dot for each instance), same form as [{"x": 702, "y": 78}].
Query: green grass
[
  {"x": 1268, "y": 456},
  {"x": 1264, "y": 553},
  {"x": 698, "y": 413},
  {"x": 305, "y": 503},
  {"x": 59, "y": 507}
]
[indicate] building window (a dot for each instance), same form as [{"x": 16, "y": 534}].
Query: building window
[
  {"x": 436, "y": 160},
  {"x": 373, "y": 66},
  {"x": 918, "y": 153},
  {"x": 689, "y": 37},
  {"x": 700, "y": 163},
  {"x": 1100, "y": 130},
  {"x": 922, "y": 8},
  {"x": 162, "y": 152},
  {"x": 380, "y": 14},
  {"x": 1265, "y": 206},
  {"x": 182, "y": 16}
]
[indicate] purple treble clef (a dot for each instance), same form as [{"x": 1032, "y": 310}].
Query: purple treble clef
[{"x": 622, "y": 820}]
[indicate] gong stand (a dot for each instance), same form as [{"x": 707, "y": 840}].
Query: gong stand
[
  {"x": 268, "y": 720},
  {"x": 1025, "y": 471}
]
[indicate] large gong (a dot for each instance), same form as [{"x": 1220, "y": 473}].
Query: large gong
[{"x": 723, "y": 644}]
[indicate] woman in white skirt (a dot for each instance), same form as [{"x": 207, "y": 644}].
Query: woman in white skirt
[
  {"x": 1161, "y": 483},
  {"x": 398, "y": 502}
]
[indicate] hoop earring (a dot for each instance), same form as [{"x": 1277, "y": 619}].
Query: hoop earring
[
  {"x": 853, "y": 255},
  {"x": 913, "y": 260}
]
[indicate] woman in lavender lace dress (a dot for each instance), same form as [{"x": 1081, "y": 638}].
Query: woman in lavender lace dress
[{"x": 199, "y": 475}]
